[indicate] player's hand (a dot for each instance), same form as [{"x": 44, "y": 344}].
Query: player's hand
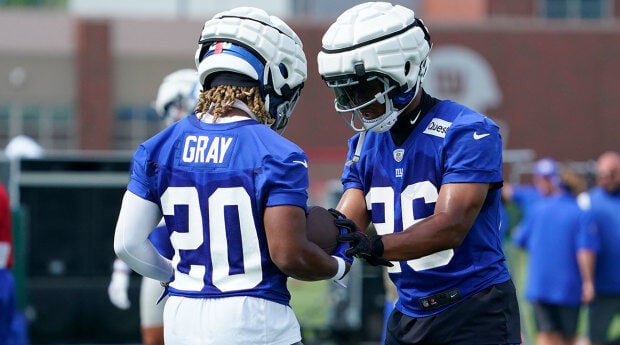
[
  {"x": 369, "y": 248},
  {"x": 360, "y": 244},
  {"x": 119, "y": 286},
  {"x": 343, "y": 247}
]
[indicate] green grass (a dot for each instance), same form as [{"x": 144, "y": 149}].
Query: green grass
[{"x": 310, "y": 301}]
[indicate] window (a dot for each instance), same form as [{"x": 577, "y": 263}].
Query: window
[{"x": 580, "y": 9}]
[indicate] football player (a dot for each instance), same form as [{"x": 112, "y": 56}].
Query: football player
[
  {"x": 427, "y": 173},
  {"x": 233, "y": 193},
  {"x": 176, "y": 98}
]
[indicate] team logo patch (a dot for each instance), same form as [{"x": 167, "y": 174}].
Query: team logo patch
[
  {"x": 438, "y": 127},
  {"x": 398, "y": 154}
]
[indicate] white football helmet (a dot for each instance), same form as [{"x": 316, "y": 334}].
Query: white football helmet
[
  {"x": 248, "y": 41},
  {"x": 375, "y": 52},
  {"x": 177, "y": 95}
]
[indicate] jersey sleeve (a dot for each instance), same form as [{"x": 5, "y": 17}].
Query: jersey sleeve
[
  {"x": 473, "y": 153},
  {"x": 521, "y": 234},
  {"x": 587, "y": 238},
  {"x": 140, "y": 171},
  {"x": 287, "y": 180},
  {"x": 350, "y": 174}
]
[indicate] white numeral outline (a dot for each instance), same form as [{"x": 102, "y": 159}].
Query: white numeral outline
[
  {"x": 385, "y": 196},
  {"x": 219, "y": 248}
]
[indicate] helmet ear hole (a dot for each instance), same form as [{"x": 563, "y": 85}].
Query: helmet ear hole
[
  {"x": 283, "y": 70},
  {"x": 407, "y": 67}
]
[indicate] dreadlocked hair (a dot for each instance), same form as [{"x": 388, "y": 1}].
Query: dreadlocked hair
[{"x": 219, "y": 100}]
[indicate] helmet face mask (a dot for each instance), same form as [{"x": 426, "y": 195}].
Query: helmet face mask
[
  {"x": 380, "y": 39},
  {"x": 353, "y": 94}
]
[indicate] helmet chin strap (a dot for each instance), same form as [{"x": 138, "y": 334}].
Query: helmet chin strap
[{"x": 358, "y": 150}]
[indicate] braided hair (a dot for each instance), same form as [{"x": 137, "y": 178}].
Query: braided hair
[{"x": 219, "y": 100}]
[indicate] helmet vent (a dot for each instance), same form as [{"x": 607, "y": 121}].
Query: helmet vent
[{"x": 283, "y": 70}]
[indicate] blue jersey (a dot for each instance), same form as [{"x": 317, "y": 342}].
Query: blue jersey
[
  {"x": 213, "y": 183},
  {"x": 452, "y": 144},
  {"x": 555, "y": 229},
  {"x": 605, "y": 209}
]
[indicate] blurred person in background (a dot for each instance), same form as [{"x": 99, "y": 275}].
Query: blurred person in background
[
  {"x": 233, "y": 193},
  {"x": 560, "y": 243},
  {"x": 603, "y": 203},
  {"x": 7, "y": 282},
  {"x": 13, "y": 325},
  {"x": 545, "y": 182},
  {"x": 176, "y": 98},
  {"x": 427, "y": 173}
]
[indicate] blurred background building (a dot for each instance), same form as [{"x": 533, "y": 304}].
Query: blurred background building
[{"x": 80, "y": 76}]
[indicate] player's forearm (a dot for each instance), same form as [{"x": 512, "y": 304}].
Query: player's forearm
[
  {"x": 136, "y": 220},
  {"x": 433, "y": 234},
  {"x": 309, "y": 264},
  {"x": 145, "y": 260},
  {"x": 586, "y": 261}
]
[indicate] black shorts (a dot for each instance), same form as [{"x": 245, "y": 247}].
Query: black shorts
[
  {"x": 601, "y": 313},
  {"x": 490, "y": 316},
  {"x": 556, "y": 318}
]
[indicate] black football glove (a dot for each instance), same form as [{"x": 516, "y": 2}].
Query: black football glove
[{"x": 369, "y": 248}]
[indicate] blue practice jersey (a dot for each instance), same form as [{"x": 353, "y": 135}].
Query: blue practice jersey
[
  {"x": 213, "y": 183},
  {"x": 554, "y": 231},
  {"x": 452, "y": 144},
  {"x": 605, "y": 210}
]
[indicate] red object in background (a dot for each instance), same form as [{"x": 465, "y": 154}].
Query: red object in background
[{"x": 6, "y": 241}]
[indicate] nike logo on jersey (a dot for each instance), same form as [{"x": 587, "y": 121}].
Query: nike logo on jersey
[
  {"x": 480, "y": 136},
  {"x": 304, "y": 163},
  {"x": 438, "y": 127},
  {"x": 203, "y": 149}
]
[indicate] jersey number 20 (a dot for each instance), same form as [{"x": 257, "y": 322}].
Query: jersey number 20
[{"x": 194, "y": 238}]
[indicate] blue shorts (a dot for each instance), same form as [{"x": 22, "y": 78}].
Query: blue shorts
[{"x": 7, "y": 302}]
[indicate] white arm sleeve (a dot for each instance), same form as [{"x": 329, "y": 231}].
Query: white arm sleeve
[{"x": 137, "y": 218}]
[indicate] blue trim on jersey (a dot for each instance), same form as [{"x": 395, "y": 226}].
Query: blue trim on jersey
[
  {"x": 230, "y": 173},
  {"x": 452, "y": 144}
]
